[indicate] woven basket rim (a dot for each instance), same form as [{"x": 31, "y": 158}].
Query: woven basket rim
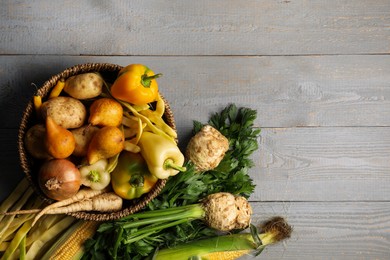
[{"x": 26, "y": 160}]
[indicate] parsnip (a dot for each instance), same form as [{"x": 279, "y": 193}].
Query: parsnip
[
  {"x": 106, "y": 202},
  {"x": 80, "y": 195}
]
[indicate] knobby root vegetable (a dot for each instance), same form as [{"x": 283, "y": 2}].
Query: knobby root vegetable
[
  {"x": 226, "y": 211},
  {"x": 207, "y": 148}
]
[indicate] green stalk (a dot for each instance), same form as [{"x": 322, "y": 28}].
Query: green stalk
[
  {"x": 4, "y": 224},
  {"x": 147, "y": 80},
  {"x": 153, "y": 229},
  {"x": 17, "y": 239},
  {"x": 22, "y": 248},
  {"x": 187, "y": 212},
  {"x": 14, "y": 196},
  {"x": 160, "y": 212},
  {"x": 169, "y": 163},
  {"x": 205, "y": 246},
  {"x": 150, "y": 222}
]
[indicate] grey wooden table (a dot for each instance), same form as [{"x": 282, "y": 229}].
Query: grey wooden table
[{"x": 317, "y": 72}]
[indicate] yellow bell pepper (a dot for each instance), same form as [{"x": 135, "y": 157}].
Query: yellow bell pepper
[
  {"x": 131, "y": 177},
  {"x": 136, "y": 84},
  {"x": 96, "y": 176},
  {"x": 162, "y": 155}
]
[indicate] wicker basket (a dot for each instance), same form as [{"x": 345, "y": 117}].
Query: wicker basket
[{"x": 30, "y": 166}]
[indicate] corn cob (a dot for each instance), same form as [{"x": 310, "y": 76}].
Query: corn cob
[
  {"x": 232, "y": 246},
  {"x": 70, "y": 245},
  {"x": 226, "y": 255}
]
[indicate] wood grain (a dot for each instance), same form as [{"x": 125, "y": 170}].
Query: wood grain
[
  {"x": 323, "y": 164},
  {"x": 329, "y": 230},
  {"x": 223, "y": 27},
  {"x": 287, "y": 91}
]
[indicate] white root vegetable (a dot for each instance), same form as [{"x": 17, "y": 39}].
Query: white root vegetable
[
  {"x": 80, "y": 195},
  {"x": 106, "y": 202}
]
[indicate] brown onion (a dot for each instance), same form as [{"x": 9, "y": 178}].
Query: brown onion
[{"x": 59, "y": 179}]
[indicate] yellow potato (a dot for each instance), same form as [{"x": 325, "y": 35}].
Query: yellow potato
[
  {"x": 67, "y": 112},
  {"x": 34, "y": 142},
  {"x": 84, "y": 86},
  {"x": 83, "y": 136}
]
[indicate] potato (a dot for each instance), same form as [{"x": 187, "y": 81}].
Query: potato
[
  {"x": 83, "y": 136},
  {"x": 84, "y": 86},
  {"x": 67, "y": 112},
  {"x": 34, "y": 142}
]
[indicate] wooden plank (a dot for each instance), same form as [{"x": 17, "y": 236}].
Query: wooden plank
[
  {"x": 10, "y": 171},
  {"x": 336, "y": 230},
  {"x": 293, "y": 164},
  {"x": 323, "y": 164},
  {"x": 223, "y": 27},
  {"x": 286, "y": 91}
]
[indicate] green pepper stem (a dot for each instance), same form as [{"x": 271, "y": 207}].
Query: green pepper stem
[
  {"x": 169, "y": 163},
  {"x": 147, "y": 80},
  {"x": 94, "y": 176}
]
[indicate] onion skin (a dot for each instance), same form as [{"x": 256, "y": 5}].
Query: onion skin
[{"x": 59, "y": 179}]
